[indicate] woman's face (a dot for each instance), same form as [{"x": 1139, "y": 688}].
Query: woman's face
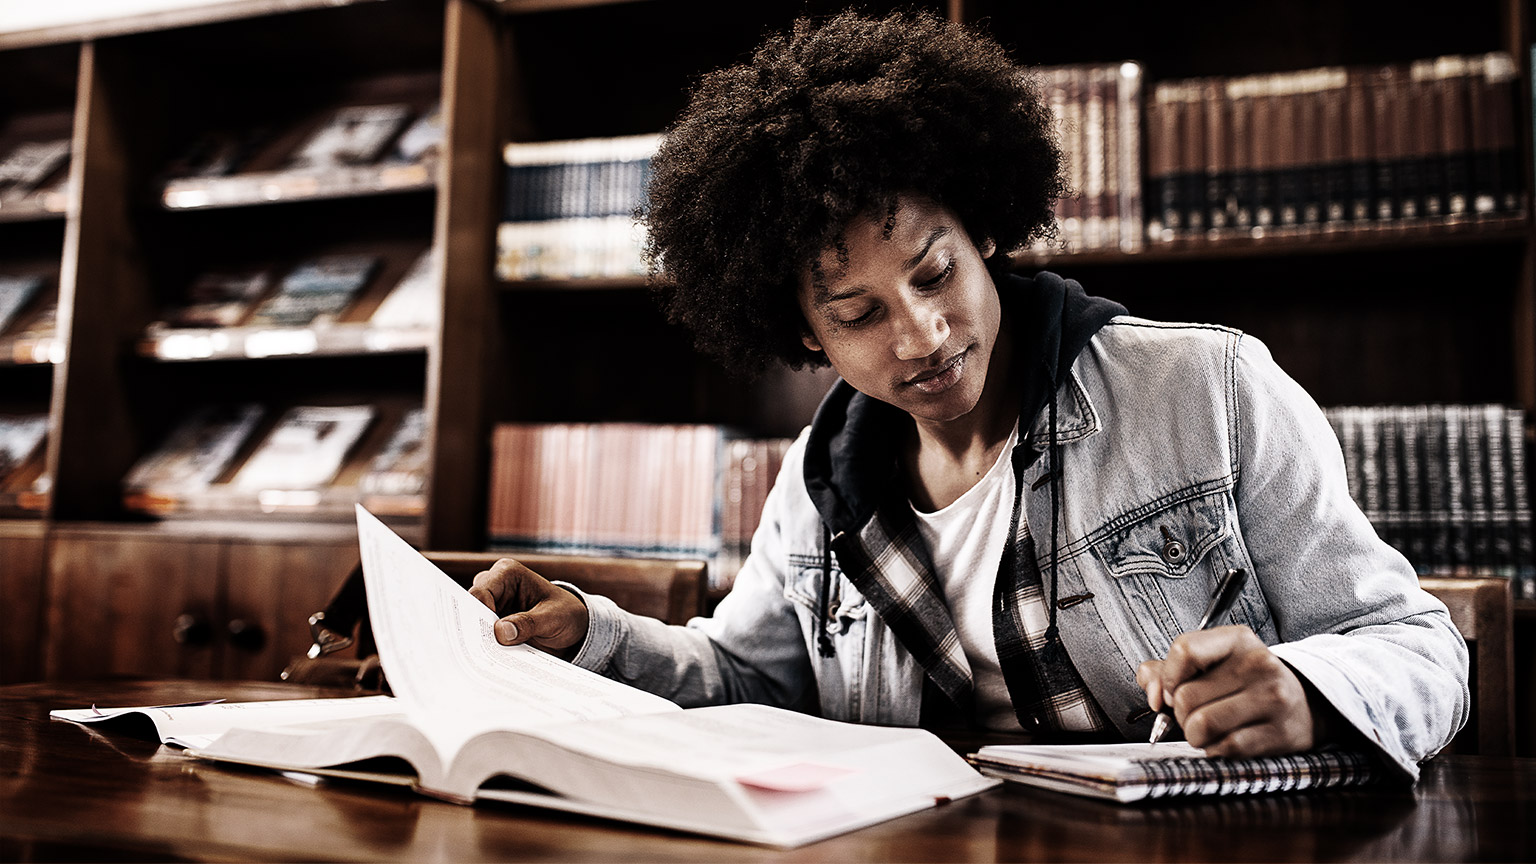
[{"x": 910, "y": 318}]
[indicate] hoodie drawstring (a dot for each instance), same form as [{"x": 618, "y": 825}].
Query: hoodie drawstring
[
  {"x": 824, "y": 612},
  {"x": 1054, "y": 450}
]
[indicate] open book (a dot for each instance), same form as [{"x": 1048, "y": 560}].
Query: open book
[
  {"x": 1131, "y": 772},
  {"x": 473, "y": 720}
]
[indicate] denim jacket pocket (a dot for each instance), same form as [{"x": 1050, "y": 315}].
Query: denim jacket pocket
[
  {"x": 1153, "y": 559},
  {"x": 845, "y": 604}
]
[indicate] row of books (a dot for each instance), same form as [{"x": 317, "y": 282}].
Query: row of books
[
  {"x": 316, "y": 291},
  {"x": 667, "y": 491},
  {"x": 1334, "y": 148},
  {"x": 570, "y": 205},
  {"x": 354, "y": 148},
  {"x": 214, "y": 459},
  {"x": 1097, "y": 112},
  {"x": 1445, "y": 484}
]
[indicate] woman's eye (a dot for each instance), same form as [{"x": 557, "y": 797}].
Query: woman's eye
[
  {"x": 940, "y": 277},
  {"x": 856, "y": 320}
]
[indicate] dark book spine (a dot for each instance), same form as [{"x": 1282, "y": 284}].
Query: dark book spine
[
  {"x": 1454, "y": 136},
  {"x": 1165, "y": 219},
  {"x": 1264, "y": 151},
  {"x": 1385, "y": 146},
  {"x": 1218, "y": 158},
  {"x": 1408, "y": 121},
  {"x": 1358, "y": 143},
  {"x": 1524, "y": 539},
  {"x": 1192, "y": 159},
  {"x": 1436, "y": 490},
  {"x": 1426, "y": 138},
  {"x": 1415, "y": 529},
  {"x": 1392, "y": 509},
  {"x": 1333, "y": 157},
  {"x": 1288, "y": 150},
  {"x": 1239, "y": 98}
]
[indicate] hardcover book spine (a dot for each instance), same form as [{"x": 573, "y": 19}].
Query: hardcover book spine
[{"x": 1519, "y": 488}]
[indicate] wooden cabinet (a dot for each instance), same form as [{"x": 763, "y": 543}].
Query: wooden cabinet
[
  {"x": 21, "y": 600},
  {"x": 195, "y": 604}
]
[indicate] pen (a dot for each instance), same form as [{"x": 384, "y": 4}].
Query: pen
[{"x": 1227, "y": 590}]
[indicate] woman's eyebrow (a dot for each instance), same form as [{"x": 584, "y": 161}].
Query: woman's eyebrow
[{"x": 933, "y": 237}]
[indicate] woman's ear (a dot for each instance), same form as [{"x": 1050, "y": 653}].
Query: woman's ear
[
  {"x": 986, "y": 247},
  {"x": 808, "y": 339}
]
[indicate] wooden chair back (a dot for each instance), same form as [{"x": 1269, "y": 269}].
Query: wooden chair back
[
  {"x": 1483, "y": 610},
  {"x": 661, "y": 588}
]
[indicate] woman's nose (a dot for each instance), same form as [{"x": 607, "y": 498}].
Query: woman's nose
[{"x": 920, "y": 329}]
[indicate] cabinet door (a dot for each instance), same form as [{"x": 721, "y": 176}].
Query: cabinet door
[
  {"x": 130, "y": 603},
  {"x": 21, "y": 612},
  {"x": 271, "y": 590}
]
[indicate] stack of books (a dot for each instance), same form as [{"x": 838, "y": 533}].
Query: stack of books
[
  {"x": 1430, "y": 142},
  {"x": 1445, "y": 484},
  {"x": 1097, "y": 110},
  {"x": 570, "y": 208}
]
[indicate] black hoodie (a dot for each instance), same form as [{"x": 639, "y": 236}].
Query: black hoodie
[{"x": 851, "y": 457}]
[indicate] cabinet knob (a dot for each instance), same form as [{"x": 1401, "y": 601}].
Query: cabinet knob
[
  {"x": 191, "y": 629},
  {"x": 246, "y": 635}
]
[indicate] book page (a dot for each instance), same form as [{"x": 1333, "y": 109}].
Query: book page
[
  {"x": 440, "y": 655},
  {"x": 1103, "y": 757},
  {"x": 196, "y": 724}
]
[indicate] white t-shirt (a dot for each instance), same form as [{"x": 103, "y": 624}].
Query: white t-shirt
[{"x": 966, "y": 540}]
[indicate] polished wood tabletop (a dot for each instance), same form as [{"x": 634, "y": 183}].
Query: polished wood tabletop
[{"x": 72, "y": 793}]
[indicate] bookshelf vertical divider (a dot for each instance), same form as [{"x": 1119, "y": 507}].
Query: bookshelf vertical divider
[
  {"x": 463, "y": 357},
  {"x": 93, "y": 443}
]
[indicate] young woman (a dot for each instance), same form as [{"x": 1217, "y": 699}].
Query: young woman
[{"x": 1012, "y": 509}]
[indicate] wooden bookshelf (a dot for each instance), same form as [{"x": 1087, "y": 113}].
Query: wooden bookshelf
[{"x": 1442, "y": 312}]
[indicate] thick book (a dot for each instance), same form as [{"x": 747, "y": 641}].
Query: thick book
[
  {"x": 28, "y": 165},
  {"x": 306, "y": 449},
  {"x": 318, "y": 289},
  {"x": 196, "y": 452},
  {"x": 219, "y": 298},
  {"x": 1133, "y": 772},
  {"x": 15, "y": 293},
  {"x": 475, "y": 720},
  {"x": 354, "y": 135},
  {"x": 21, "y": 439}
]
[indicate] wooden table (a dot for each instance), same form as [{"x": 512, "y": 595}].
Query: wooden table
[{"x": 68, "y": 792}]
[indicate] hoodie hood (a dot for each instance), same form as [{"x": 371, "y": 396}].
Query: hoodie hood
[{"x": 851, "y": 455}]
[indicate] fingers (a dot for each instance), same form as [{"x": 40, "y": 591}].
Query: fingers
[
  {"x": 1243, "y": 701},
  {"x": 534, "y": 610},
  {"x": 1149, "y": 677},
  {"x": 506, "y": 585}
]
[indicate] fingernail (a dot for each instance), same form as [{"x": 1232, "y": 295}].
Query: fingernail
[{"x": 506, "y": 631}]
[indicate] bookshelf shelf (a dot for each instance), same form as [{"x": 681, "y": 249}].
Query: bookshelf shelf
[
  {"x": 41, "y": 208},
  {"x": 1505, "y": 232},
  {"x": 275, "y": 187},
  {"x": 596, "y": 283},
  {"x": 245, "y": 343},
  {"x": 519, "y": 7}
]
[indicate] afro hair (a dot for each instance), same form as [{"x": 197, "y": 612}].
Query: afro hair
[{"x": 772, "y": 158}]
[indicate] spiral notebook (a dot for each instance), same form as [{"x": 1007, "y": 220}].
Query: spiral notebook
[{"x": 1132, "y": 772}]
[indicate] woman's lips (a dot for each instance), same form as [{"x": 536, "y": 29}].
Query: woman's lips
[{"x": 942, "y": 378}]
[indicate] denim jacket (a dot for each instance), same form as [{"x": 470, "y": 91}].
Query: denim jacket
[{"x": 1185, "y": 451}]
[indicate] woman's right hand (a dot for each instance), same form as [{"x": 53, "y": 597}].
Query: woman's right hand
[{"x": 532, "y": 609}]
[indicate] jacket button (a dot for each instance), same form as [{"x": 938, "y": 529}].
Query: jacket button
[{"x": 1173, "y": 550}]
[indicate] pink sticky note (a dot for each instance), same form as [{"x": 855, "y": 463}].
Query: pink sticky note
[{"x": 796, "y": 777}]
